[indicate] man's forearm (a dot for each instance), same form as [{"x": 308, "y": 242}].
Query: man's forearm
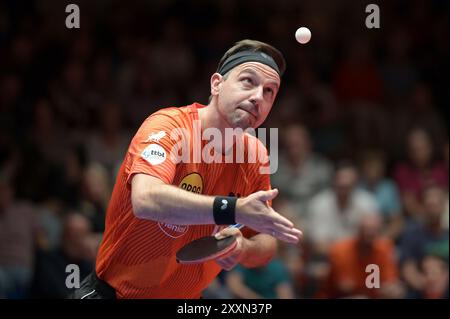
[
  {"x": 260, "y": 250},
  {"x": 152, "y": 199},
  {"x": 169, "y": 204}
]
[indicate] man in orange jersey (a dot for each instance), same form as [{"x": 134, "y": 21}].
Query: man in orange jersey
[{"x": 160, "y": 203}]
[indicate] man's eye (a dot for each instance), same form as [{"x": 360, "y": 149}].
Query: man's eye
[
  {"x": 269, "y": 90},
  {"x": 247, "y": 80}
]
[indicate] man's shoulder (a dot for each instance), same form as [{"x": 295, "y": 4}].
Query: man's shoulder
[
  {"x": 170, "y": 117},
  {"x": 173, "y": 112}
]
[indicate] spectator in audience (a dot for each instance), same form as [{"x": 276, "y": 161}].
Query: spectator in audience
[
  {"x": 96, "y": 193},
  {"x": 301, "y": 173},
  {"x": 47, "y": 133},
  {"x": 18, "y": 235},
  {"x": 435, "y": 273},
  {"x": 77, "y": 248},
  {"x": 421, "y": 170},
  {"x": 68, "y": 95},
  {"x": 67, "y": 178},
  {"x": 335, "y": 213},
  {"x": 350, "y": 259},
  {"x": 270, "y": 281},
  {"x": 11, "y": 102},
  {"x": 293, "y": 259},
  {"x": 422, "y": 237},
  {"x": 374, "y": 180},
  {"x": 108, "y": 145},
  {"x": 417, "y": 111},
  {"x": 399, "y": 74}
]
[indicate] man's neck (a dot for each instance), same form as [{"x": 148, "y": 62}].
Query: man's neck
[
  {"x": 210, "y": 118},
  {"x": 343, "y": 202}
]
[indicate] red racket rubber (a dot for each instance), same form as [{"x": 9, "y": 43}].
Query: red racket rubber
[{"x": 205, "y": 249}]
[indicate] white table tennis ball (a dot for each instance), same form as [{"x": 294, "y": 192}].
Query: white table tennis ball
[{"x": 303, "y": 35}]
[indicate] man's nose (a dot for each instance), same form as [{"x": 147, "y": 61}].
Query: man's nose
[{"x": 257, "y": 96}]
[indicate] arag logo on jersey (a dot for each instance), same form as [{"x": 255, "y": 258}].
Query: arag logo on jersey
[{"x": 192, "y": 183}]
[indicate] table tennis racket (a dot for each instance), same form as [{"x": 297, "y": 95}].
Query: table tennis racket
[{"x": 206, "y": 248}]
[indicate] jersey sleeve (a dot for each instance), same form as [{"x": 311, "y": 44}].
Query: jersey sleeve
[{"x": 150, "y": 149}]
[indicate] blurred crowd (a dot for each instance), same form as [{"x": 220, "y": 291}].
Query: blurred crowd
[{"x": 363, "y": 162}]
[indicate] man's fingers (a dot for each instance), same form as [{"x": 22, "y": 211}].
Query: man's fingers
[
  {"x": 227, "y": 232},
  {"x": 283, "y": 233},
  {"x": 287, "y": 230},
  {"x": 232, "y": 254},
  {"x": 268, "y": 195},
  {"x": 279, "y": 219},
  {"x": 288, "y": 238}
]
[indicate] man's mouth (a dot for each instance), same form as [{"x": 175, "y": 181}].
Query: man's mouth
[{"x": 250, "y": 112}]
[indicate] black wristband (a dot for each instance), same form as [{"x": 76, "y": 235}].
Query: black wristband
[{"x": 224, "y": 210}]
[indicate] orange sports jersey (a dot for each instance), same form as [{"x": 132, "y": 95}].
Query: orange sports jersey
[{"x": 137, "y": 256}]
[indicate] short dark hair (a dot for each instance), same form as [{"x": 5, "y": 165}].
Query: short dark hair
[
  {"x": 256, "y": 46},
  {"x": 345, "y": 163}
]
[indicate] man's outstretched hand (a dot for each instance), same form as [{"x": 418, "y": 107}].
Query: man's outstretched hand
[{"x": 253, "y": 211}]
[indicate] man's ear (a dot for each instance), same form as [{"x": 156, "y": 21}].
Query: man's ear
[{"x": 216, "y": 81}]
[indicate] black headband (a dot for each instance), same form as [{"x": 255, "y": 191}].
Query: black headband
[{"x": 248, "y": 56}]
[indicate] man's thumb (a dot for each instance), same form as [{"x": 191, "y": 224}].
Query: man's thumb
[
  {"x": 227, "y": 232},
  {"x": 268, "y": 195}
]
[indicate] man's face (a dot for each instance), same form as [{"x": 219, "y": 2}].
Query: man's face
[
  {"x": 369, "y": 228},
  {"x": 434, "y": 201},
  {"x": 373, "y": 170},
  {"x": 420, "y": 148},
  {"x": 297, "y": 140},
  {"x": 345, "y": 181},
  {"x": 246, "y": 96}
]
